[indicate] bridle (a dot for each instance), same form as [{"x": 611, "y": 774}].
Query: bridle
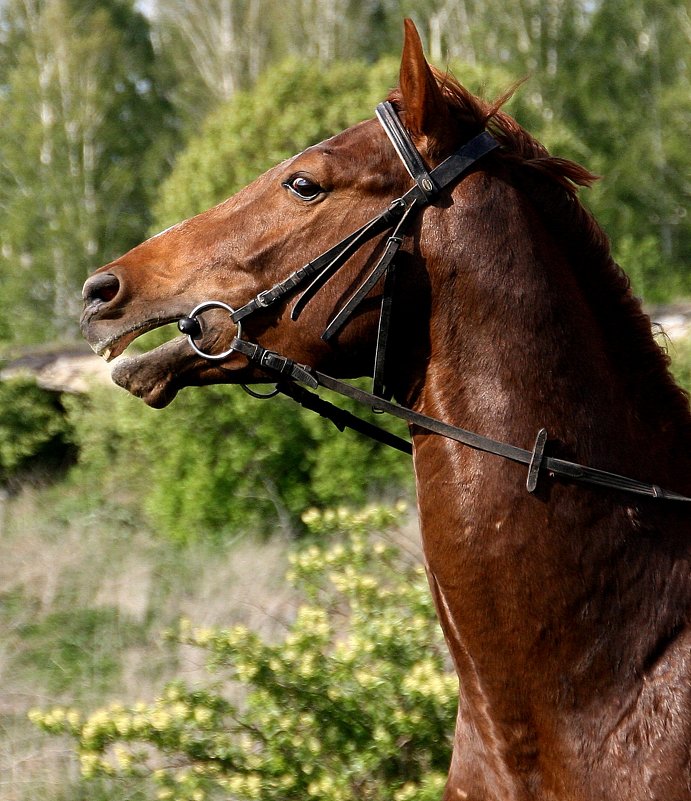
[
  {"x": 314, "y": 275},
  {"x": 428, "y": 184}
]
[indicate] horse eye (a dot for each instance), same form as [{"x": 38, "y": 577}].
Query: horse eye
[{"x": 303, "y": 187}]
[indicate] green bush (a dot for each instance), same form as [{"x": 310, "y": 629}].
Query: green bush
[
  {"x": 33, "y": 428},
  {"x": 217, "y": 462},
  {"x": 354, "y": 702},
  {"x": 680, "y": 351}
]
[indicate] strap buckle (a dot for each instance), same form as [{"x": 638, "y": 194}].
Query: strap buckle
[{"x": 285, "y": 366}]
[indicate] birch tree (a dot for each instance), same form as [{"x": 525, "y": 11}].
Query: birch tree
[
  {"x": 80, "y": 111},
  {"x": 214, "y": 47}
]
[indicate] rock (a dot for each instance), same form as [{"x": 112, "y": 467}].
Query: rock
[{"x": 73, "y": 371}]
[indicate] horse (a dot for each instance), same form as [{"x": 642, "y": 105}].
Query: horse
[{"x": 567, "y": 609}]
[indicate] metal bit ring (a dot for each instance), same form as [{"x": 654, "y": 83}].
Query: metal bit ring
[{"x": 200, "y": 309}]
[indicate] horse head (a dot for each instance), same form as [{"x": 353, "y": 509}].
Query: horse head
[{"x": 248, "y": 243}]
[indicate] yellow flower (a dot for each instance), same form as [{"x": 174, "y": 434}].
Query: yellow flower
[
  {"x": 179, "y": 711},
  {"x": 89, "y": 764},
  {"x": 123, "y": 724},
  {"x": 160, "y": 719},
  {"x": 203, "y": 636},
  {"x": 253, "y": 785},
  {"x": 123, "y": 757},
  {"x": 311, "y": 517},
  {"x": 74, "y": 718},
  {"x": 202, "y": 715}
]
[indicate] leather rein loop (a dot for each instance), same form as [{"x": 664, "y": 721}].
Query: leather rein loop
[{"x": 428, "y": 185}]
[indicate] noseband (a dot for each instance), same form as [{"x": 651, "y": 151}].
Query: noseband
[{"x": 314, "y": 275}]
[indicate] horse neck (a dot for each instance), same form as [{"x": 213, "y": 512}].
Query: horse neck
[
  {"x": 514, "y": 345},
  {"x": 531, "y": 328}
]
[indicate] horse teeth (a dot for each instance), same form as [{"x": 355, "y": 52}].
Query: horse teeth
[{"x": 106, "y": 354}]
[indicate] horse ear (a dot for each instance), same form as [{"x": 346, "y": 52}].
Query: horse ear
[{"x": 426, "y": 112}]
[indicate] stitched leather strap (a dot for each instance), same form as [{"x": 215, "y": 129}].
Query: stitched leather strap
[
  {"x": 407, "y": 152},
  {"x": 561, "y": 467}
]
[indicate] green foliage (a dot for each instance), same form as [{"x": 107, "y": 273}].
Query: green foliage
[
  {"x": 75, "y": 648},
  {"x": 85, "y": 129},
  {"x": 354, "y": 702},
  {"x": 680, "y": 351},
  {"x": 633, "y": 106},
  {"x": 306, "y": 103},
  {"x": 217, "y": 462},
  {"x": 290, "y": 107},
  {"x": 33, "y": 428}
]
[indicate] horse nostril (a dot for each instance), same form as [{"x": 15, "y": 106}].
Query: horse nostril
[{"x": 100, "y": 288}]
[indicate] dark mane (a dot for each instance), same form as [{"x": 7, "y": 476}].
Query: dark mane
[{"x": 552, "y": 185}]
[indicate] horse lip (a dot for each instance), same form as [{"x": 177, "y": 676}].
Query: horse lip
[
  {"x": 112, "y": 346},
  {"x": 152, "y": 377}
]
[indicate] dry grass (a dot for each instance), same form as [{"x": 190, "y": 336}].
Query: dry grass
[{"x": 50, "y": 564}]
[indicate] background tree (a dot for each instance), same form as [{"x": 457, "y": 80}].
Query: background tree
[
  {"x": 86, "y": 133},
  {"x": 632, "y": 101},
  {"x": 219, "y": 47}
]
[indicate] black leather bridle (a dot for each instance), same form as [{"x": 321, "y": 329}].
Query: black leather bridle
[{"x": 313, "y": 276}]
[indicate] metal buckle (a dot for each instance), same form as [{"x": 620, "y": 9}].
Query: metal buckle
[
  {"x": 200, "y": 309},
  {"x": 263, "y": 300}
]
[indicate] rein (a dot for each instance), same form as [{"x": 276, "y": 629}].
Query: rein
[{"x": 314, "y": 275}]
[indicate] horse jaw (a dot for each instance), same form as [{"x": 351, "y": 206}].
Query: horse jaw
[
  {"x": 159, "y": 374},
  {"x": 154, "y": 376}
]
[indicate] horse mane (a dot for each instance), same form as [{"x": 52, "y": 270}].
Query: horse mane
[{"x": 552, "y": 185}]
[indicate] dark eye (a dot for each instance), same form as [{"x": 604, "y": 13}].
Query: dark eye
[{"x": 303, "y": 187}]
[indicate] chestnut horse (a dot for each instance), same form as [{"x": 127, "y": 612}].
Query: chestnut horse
[{"x": 567, "y": 611}]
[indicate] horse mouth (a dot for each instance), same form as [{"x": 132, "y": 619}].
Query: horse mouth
[
  {"x": 149, "y": 375},
  {"x": 156, "y": 375},
  {"x": 110, "y": 345}
]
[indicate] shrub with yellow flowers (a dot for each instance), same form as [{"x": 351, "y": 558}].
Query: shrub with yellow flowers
[{"x": 355, "y": 702}]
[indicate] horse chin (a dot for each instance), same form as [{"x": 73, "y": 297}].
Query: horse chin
[
  {"x": 155, "y": 376},
  {"x": 159, "y": 374}
]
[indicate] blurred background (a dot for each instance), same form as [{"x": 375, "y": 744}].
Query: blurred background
[{"x": 118, "y": 119}]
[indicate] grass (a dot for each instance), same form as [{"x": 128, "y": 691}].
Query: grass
[{"x": 85, "y": 599}]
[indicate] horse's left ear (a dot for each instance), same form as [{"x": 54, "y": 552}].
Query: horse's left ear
[{"x": 426, "y": 111}]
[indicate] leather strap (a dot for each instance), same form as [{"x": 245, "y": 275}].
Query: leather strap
[
  {"x": 379, "y": 384},
  {"x": 393, "y": 244},
  {"x": 407, "y": 152},
  {"x": 427, "y": 186},
  {"x": 535, "y": 460},
  {"x": 326, "y": 263},
  {"x": 275, "y": 363},
  {"x": 341, "y": 418}
]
